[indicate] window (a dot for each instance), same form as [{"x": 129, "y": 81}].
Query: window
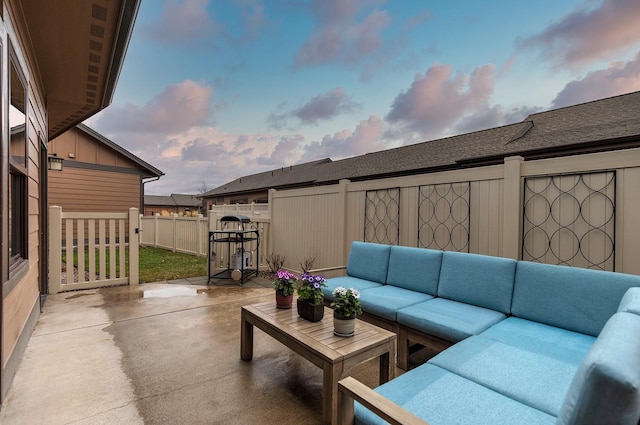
[{"x": 18, "y": 155}]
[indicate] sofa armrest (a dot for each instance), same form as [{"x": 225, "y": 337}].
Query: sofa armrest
[{"x": 349, "y": 389}]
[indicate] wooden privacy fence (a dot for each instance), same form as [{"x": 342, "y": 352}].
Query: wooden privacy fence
[{"x": 92, "y": 250}]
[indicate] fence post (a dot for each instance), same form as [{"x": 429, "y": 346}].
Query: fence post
[
  {"x": 512, "y": 208},
  {"x": 342, "y": 221},
  {"x": 134, "y": 267},
  {"x": 155, "y": 230},
  {"x": 272, "y": 193},
  {"x": 55, "y": 249},
  {"x": 173, "y": 231},
  {"x": 198, "y": 235}
]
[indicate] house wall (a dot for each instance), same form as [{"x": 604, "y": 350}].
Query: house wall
[
  {"x": 325, "y": 220},
  {"x": 20, "y": 304}
]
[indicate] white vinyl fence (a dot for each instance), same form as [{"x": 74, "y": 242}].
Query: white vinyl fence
[{"x": 178, "y": 234}]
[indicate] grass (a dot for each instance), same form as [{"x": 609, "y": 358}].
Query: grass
[{"x": 156, "y": 264}]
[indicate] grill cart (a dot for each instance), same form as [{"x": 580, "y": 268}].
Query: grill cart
[{"x": 239, "y": 240}]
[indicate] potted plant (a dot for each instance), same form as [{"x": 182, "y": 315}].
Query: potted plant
[
  {"x": 285, "y": 285},
  {"x": 310, "y": 297},
  {"x": 346, "y": 307}
]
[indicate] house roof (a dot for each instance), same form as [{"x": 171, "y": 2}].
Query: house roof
[
  {"x": 606, "y": 124},
  {"x": 79, "y": 47},
  {"x": 175, "y": 199},
  {"x": 150, "y": 170}
]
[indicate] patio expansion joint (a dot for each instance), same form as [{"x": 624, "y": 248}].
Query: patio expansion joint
[{"x": 98, "y": 414}]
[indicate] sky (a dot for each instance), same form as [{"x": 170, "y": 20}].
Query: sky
[{"x": 211, "y": 91}]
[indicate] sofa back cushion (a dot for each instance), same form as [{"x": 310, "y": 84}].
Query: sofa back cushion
[
  {"x": 606, "y": 387},
  {"x": 476, "y": 279},
  {"x": 368, "y": 261},
  {"x": 631, "y": 301},
  {"x": 580, "y": 300},
  {"x": 416, "y": 269}
]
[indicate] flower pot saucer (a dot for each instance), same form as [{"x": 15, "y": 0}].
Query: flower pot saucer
[{"x": 344, "y": 335}]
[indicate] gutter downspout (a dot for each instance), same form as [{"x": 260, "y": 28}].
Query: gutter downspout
[{"x": 142, "y": 183}]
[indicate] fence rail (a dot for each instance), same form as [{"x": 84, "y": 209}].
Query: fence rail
[{"x": 250, "y": 210}]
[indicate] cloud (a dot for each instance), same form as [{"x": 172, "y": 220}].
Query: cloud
[
  {"x": 178, "y": 108},
  {"x": 325, "y": 106},
  {"x": 339, "y": 37},
  {"x": 588, "y": 35},
  {"x": 182, "y": 21},
  {"x": 618, "y": 78},
  {"x": 437, "y": 100},
  {"x": 346, "y": 143},
  {"x": 285, "y": 152}
]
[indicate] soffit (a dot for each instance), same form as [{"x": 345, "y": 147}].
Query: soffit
[{"x": 79, "y": 47}]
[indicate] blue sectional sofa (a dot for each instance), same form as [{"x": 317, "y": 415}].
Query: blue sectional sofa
[{"x": 521, "y": 342}]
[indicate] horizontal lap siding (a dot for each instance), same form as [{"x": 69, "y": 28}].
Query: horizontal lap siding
[{"x": 77, "y": 189}]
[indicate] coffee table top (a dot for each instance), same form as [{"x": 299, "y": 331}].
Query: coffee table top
[{"x": 318, "y": 336}]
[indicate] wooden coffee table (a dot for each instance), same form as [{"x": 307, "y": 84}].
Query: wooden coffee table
[{"x": 317, "y": 343}]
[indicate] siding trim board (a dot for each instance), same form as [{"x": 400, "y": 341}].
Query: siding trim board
[{"x": 100, "y": 167}]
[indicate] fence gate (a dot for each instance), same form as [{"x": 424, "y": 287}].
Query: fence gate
[{"x": 92, "y": 250}]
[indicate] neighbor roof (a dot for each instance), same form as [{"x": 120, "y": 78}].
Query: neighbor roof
[{"x": 607, "y": 124}]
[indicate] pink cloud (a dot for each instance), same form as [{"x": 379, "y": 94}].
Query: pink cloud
[
  {"x": 588, "y": 35},
  {"x": 339, "y": 36},
  {"x": 618, "y": 78},
  {"x": 437, "y": 100},
  {"x": 178, "y": 108},
  {"x": 182, "y": 20},
  {"x": 365, "y": 138}
]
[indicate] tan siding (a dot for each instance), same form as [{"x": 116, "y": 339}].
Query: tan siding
[{"x": 77, "y": 189}]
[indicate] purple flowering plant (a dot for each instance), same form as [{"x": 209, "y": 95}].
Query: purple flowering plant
[
  {"x": 285, "y": 282},
  {"x": 310, "y": 288}
]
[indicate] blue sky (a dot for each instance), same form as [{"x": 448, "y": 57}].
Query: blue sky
[{"x": 214, "y": 90}]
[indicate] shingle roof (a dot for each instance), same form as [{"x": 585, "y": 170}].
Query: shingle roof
[
  {"x": 175, "y": 199},
  {"x": 599, "y": 125}
]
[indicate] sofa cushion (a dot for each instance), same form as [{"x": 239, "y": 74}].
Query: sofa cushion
[
  {"x": 539, "y": 380},
  {"x": 368, "y": 261},
  {"x": 416, "y": 269},
  {"x": 572, "y": 298},
  {"x": 347, "y": 282},
  {"x": 541, "y": 338},
  {"x": 630, "y": 301},
  {"x": 447, "y": 319},
  {"x": 477, "y": 279},
  {"x": 606, "y": 388},
  {"x": 442, "y": 397},
  {"x": 385, "y": 301}
]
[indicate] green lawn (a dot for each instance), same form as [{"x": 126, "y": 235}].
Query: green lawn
[{"x": 157, "y": 264}]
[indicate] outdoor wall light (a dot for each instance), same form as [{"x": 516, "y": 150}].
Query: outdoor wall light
[{"x": 55, "y": 162}]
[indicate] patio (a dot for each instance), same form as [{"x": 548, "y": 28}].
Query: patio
[{"x": 161, "y": 353}]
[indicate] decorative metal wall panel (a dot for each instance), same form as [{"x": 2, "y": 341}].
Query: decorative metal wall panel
[
  {"x": 570, "y": 220},
  {"x": 443, "y": 216},
  {"x": 382, "y": 216}
]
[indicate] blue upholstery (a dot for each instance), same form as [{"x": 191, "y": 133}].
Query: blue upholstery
[
  {"x": 477, "y": 279},
  {"x": 385, "y": 301},
  {"x": 572, "y": 298},
  {"x": 417, "y": 269},
  {"x": 630, "y": 301},
  {"x": 368, "y": 261},
  {"x": 541, "y": 338},
  {"x": 347, "y": 282},
  {"x": 449, "y": 320},
  {"x": 539, "y": 380},
  {"x": 441, "y": 397},
  {"x": 606, "y": 388}
]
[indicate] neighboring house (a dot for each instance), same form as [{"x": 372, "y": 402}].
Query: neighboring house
[
  {"x": 603, "y": 125},
  {"x": 97, "y": 174},
  {"x": 60, "y": 66},
  {"x": 174, "y": 204}
]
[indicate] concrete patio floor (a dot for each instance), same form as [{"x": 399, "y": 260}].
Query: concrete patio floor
[{"x": 161, "y": 353}]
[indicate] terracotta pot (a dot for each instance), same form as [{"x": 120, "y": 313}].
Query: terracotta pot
[
  {"x": 309, "y": 311},
  {"x": 343, "y": 326},
  {"x": 283, "y": 301}
]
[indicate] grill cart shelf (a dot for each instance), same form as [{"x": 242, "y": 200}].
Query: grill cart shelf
[{"x": 237, "y": 232}]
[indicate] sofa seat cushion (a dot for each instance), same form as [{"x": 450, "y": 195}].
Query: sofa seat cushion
[
  {"x": 606, "y": 387},
  {"x": 541, "y": 338},
  {"x": 631, "y": 301},
  {"x": 443, "y": 398},
  {"x": 385, "y": 301},
  {"x": 450, "y": 320},
  {"x": 347, "y": 282},
  {"x": 539, "y": 380}
]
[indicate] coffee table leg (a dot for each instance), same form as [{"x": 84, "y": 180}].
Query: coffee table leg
[
  {"x": 384, "y": 368},
  {"x": 246, "y": 338},
  {"x": 331, "y": 375}
]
